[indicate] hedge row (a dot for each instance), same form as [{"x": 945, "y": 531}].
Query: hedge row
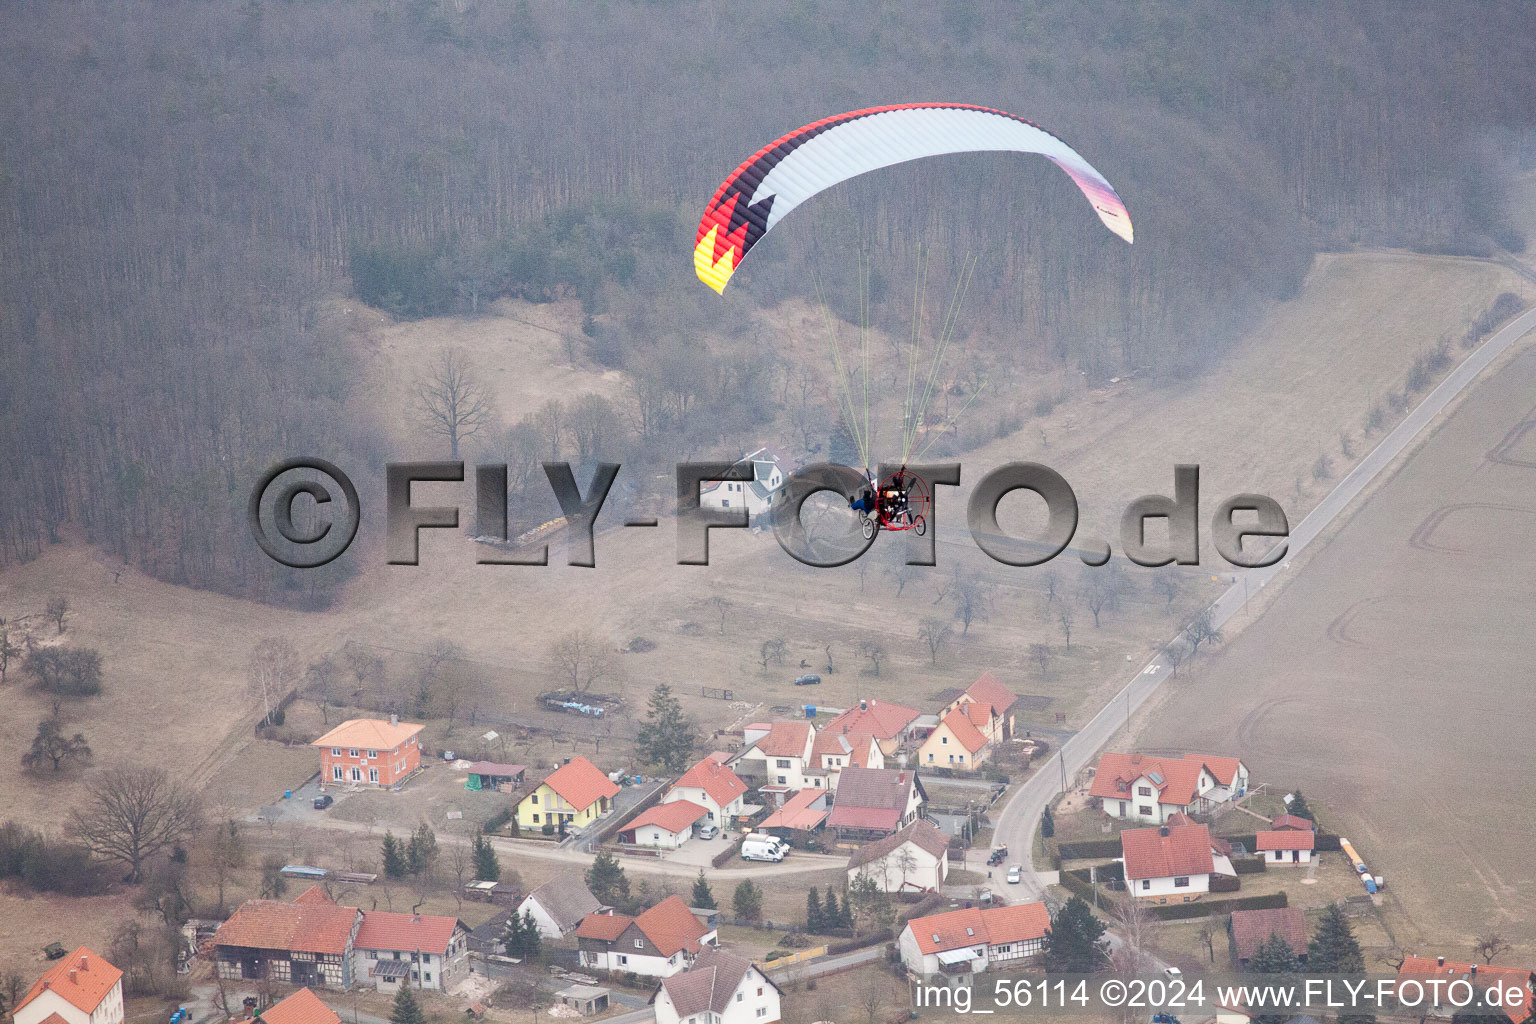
[
  {"x": 1179, "y": 911},
  {"x": 1225, "y": 883},
  {"x": 724, "y": 855},
  {"x": 1088, "y": 849},
  {"x": 1248, "y": 865}
]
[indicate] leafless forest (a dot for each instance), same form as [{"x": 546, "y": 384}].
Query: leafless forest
[{"x": 182, "y": 183}]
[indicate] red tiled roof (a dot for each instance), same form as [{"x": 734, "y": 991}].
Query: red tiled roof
[
  {"x": 1251, "y": 927},
  {"x": 84, "y": 989},
  {"x": 1513, "y": 977},
  {"x": 797, "y": 812},
  {"x": 369, "y": 733},
  {"x": 603, "y": 927},
  {"x": 988, "y": 690},
  {"x": 314, "y": 894},
  {"x": 920, "y": 833},
  {"x": 307, "y": 927},
  {"x": 673, "y": 817},
  {"x": 671, "y": 926},
  {"x": 580, "y": 783},
  {"x": 785, "y": 739},
  {"x": 303, "y": 1007},
  {"x": 1289, "y": 839},
  {"x": 954, "y": 929},
  {"x": 713, "y": 778},
  {"x": 881, "y": 720},
  {"x": 429, "y": 934},
  {"x": 1286, "y": 821},
  {"x": 963, "y": 729},
  {"x": 1222, "y": 769},
  {"x": 1180, "y": 778},
  {"x": 838, "y": 743},
  {"x": 1185, "y": 850}
]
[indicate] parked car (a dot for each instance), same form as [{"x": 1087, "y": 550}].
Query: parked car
[
  {"x": 449, "y": 755},
  {"x": 1172, "y": 972},
  {"x": 707, "y": 832},
  {"x": 1015, "y": 875},
  {"x": 323, "y": 801},
  {"x": 809, "y": 679}
]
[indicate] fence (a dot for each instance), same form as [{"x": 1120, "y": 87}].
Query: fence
[{"x": 794, "y": 958}]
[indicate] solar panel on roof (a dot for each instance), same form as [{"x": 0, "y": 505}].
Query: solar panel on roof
[{"x": 1156, "y": 777}]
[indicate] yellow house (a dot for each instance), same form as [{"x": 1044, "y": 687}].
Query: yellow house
[
  {"x": 573, "y": 796},
  {"x": 963, "y": 739}
]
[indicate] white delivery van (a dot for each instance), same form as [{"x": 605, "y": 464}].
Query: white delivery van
[{"x": 760, "y": 846}]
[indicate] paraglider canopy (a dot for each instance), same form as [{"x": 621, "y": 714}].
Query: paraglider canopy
[{"x": 791, "y": 169}]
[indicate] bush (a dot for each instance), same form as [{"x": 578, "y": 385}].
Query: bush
[
  {"x": 1089, "y": 849},
  {"x": 498, "y": 821},
  {"x": 1200, "y": 908},
  {"x": 1248, "y": 865},
  {"x": 44, "y": 866},
  {"x": 1225, "y": 883}
]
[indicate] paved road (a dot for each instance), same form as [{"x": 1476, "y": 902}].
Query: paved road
[{"x": 1018, "y": 820}]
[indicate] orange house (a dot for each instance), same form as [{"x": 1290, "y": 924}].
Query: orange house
[{"x": 368, "y": 751}]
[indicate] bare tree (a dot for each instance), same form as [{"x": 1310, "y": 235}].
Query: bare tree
[
  {"x": 1177, "y": 653},
  {"x": 225, "y": 851},
  {"x": 133, "y": 813},
  {"x": 452, "y": 400},
  {"x": 58, "y": 607},
  {"x": 52, "y": 747},
  {"x": 972, "y": 597},
  {"x": 549, "y": 421},
  {"x": 272, "y": 671},
  {"x": 721, "y": 607},
  {"x": 874, "y": 650},
  {"x": 935, "y": 633},
  {"x": 1202, "y": 630},
  {"x": 1051, "y": 579},
  {"x": 772, "y": 650},
  {"x": 1207, "y": 936},
  {"x": 583, "y": 658},
  {"x": 1170, "y": 584},
  {"x": 1041, "y": 653},
  {"x": 1138, "y": 932},
  {"x": 1489, "y": 946},
  {"x": 874, "y": 997},
  {"x": 1096, "y": 594},
  {"x": 1064, "y": 619},
  {"x": 8, "y": 651}
]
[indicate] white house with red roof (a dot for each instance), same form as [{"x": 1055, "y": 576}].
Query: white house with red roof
[
  {"x": 770, "y": 472},
  {"x": 890, "y": 724},
  {"x": 719, "y": 988},
  {"x": 1174, "y": 861},
  {"x": 657, "y": 943},
  {"x": 715, "y": 787},
  {"x": 82, "y": 988},
  {"x": 987, "y": 690},
  {"x": 423, "y": 950},
  {"x": 781, "y": 756},
  {"x": 1140, "y": 787},
  {"x": 1516, "y": 985},
  {"x": 664, "y": 826},
  {"x": 965, "y": 942},
  {"x": 1286, "y": 846},
  {"x": 836, "y": 749},
  {"x": 874, "y": 802},
  {"x": 915, "y": 859}
]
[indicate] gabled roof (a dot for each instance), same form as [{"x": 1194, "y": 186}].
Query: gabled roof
[
  {"x": 669, "y": 925},
  {"x": 708, "y": 985},
  {"x": 1117, "y": 774},
  {"x": 603, "y": 927},
  {"x": 566, "y": 899},
  {"x": 786, "y": 739},
  {"x": 955, "y": 929},
  {"x": 369, "y": 733},
  {"x": 872, "y": 798},
  {"x": 855, "y": 746},
  {"x": 881, "y": 720},
  {"x": 1514, "y": 977},
  {"x": 1288, "y": 839},
  {"x": 989, "y": 691},
  {"x": 713, "y": 778},
  {"x": 303, "y": 1007},
  {"x": 314, "y": 894},
  {"x": 82, "y": 979},
  {"x": 1185, "y": 850},
  {"x": 496, "y": 769},
  {"x": 304, "y": 927},
  {"x": 922, "y": 834},
  {"x": 429, "y": 934},
  {"x": 963, "y": 729},
  {"x": 798, "y": 811},
  {"x": 580, "y": 783},
  {"x": 1286, "y": 821},
  {"x": 1222, "y": 769},
  {"x": 1251, "y": 927},
  {"x": 674, "y": 817}
]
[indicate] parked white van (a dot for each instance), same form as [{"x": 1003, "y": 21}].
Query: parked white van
[{"x": 761, "y": 846}]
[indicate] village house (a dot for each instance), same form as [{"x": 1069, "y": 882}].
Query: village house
[
  {"x": 1250, "y": 929},
  {"x": 664, "y": 826},
  {"x": 965, "y": 942},
  {"x": 719, "y": 988},
  {"x": 800, "y": 817},
  {"x": 303, "y": 1007},
  {"x": 81, "y": 988},
  {"x": 570, "y": 798},
  {"x": 874, "y": 802},
  {"x": 1517, "y": 983},
  {"x": 963, "y": 739},
  {"x": 1286, "y": 846},
  {"x": 1139, "y": 787},
  {"x": 1293, "y": 822},
  {"x": 559, "y": 905},
  {"x": 369, "y": 751},
  {"x": 770, "y": 471},
  {"x": 780, "y": 754},
  {"x": 890, "y": 724},
  {"x": 713, "y": 786},
  {"x": 915, "y": 859},
  {"x": 422, "y": 950},
  {"x": 309, "y": 942},
  {"x": 1171, "y": 860},
  {"x": 657, "y": 943},
  {"x": 836, "y": 749},
  {"x": 1003, "y": 701}
]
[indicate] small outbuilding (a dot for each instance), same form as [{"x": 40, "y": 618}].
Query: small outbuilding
[{"x": 586, "y": 1000}]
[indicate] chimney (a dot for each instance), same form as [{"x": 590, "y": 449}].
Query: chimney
[
  {"x": 394, "y": 719},
  {"x": 47, "y": 984},
  {"x": 1474, "y": 970},
  {"x": 1163, "y": 831},
  {"x": 83, "y": 965},
  {"x": 863, "y": 705},
  {"x": 1440, "y": 962},
  {"x": 74, "y": 975}
]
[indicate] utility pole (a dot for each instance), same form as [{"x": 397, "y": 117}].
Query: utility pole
[{"x": 1062, "y": 756}]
